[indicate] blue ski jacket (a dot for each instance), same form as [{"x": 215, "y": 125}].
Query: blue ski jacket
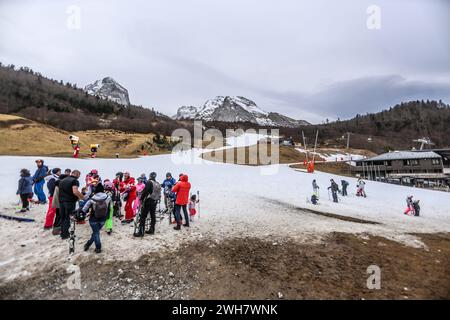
[{"x": 40, "y": 173}]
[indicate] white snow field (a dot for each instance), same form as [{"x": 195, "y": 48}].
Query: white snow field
[{"x": 236, "y": 201}]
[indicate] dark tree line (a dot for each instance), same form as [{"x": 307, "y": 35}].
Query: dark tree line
[{"x": 27, "y": 93}]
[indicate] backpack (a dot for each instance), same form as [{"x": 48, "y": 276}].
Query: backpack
[
  {"x": 156, "y": 194},
  {"x": 100, "y": 209}
]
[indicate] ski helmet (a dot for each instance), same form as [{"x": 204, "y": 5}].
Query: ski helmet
[
  {"x": 168, "y": 174},
  {"x": 108, "y": 185},
  {"x": 153, "y": 175},
  {"x": 94, "y": 171}
]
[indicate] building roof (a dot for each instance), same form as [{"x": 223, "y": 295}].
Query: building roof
[{"x": 404, "y": 155}]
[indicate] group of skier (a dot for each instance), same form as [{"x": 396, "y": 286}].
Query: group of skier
[
  {"x": 412, "y": 207},
  {"x": 334, "y": 189},
  {"x": 101, "y": 200}
]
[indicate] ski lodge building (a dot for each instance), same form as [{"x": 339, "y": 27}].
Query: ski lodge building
[{"x": 424, "y": 168}]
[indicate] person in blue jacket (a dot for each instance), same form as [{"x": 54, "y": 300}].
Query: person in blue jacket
[
  {"x": 38, "y": 180},
  {"x": 24, "y": 189},
  {"x": 167, "y": 186}
]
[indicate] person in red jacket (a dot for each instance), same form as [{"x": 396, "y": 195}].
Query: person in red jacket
[
  {"x": 182, "y": 189},
  {"x": 129, "y": 191}
]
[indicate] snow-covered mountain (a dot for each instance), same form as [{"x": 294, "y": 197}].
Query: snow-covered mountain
[
  {"x": 236, "y": 109},
  {"x": 186, "y": 112},
  {"x": 110, "y": 89}
]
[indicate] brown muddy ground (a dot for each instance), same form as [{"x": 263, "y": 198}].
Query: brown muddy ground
[{"x": 255, "y": 269}]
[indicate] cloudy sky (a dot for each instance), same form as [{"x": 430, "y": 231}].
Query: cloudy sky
[{"x": 309, "y": 60}]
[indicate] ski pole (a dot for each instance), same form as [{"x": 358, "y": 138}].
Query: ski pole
[{"x": 198, "y": 199}]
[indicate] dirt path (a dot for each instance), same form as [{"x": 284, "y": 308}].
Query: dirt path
[{"x": 255, "y": 269}]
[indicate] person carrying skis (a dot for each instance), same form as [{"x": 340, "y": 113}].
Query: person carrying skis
[
  {"x": 97, "y": 208},
  {"x": 51, "y": 185},
  {"x": 129, "y": 195},
  {"x": 149, "y": 199},
  {"x": 315, "y": 188},
  {"x": 344, "y": 184},
  {"x": 360, "y": 184},
  {"x": 111, "y": 192},
  {"x": 182, "y": 189},
  {"x": 117, "y": 201},
  {"x": 334, "y": 190},
  {"x": 25, "y": 189},
  {"x": 38, "y": 180}
]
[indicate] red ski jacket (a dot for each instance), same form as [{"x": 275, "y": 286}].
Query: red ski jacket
[
  {"x": 182, "y": 189},
  {"x": 130, "y": 185}
]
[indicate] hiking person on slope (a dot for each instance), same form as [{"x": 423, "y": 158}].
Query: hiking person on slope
[
  {"x": 38, "y": 180},
  {"x": 68, "y": 196},
  {"x": 51, "y": 185},
  {"x": 129, "y": 192},
  {"x": 149, "y": 199},
  {"x": 98, "y": 208},
  {"x": 334, "y": 190},
  {"x": 25, "y": 189},
  {"x": 182, "y": 189}
]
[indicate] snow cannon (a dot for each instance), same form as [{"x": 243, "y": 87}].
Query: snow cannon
[
  {"x": 74, "y": 140},
  {"x": 94, "y": 149}
]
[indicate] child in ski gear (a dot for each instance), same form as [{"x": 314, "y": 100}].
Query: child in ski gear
[
  {"x": 191, "y": 206},
  {"x": 143, "y": 178},
  {"x": 149, "y": 199},
  {"x": 51, "y": 184},
  {"x": 129, "y": 192},
  {"x": 334, "y": 190},
  {"x": 98, "y": 209},
  {"x": 344, "y": 184},
  {"x": 314, "y": 199},
  {"x": 315, "y": 188},
  {"x": 412, "y": 207},
  {"x": 111, "y": 192},
  {"x": 38, "y": 180},
  {"x": 360, "y": 188},
  {"x": 139, "y": 187},
  {"x": 24, "y": 189},
  {"x": 182, "y": 189}
]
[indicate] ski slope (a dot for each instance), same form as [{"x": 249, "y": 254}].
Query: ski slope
[{"x": 236, "y": 201}]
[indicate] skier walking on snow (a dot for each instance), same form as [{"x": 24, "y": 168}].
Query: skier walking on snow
[
  {"x": 334, "y": 190},
  {"x": 344, "y": 184}
]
